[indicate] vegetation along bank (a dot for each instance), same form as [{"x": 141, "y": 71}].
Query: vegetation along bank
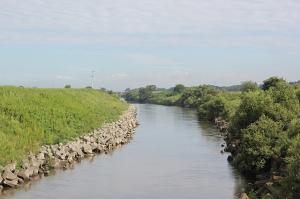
[
  {"x": 261, "y": 126},
  {"x": 42, "y": 129}
]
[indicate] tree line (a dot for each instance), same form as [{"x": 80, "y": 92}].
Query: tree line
[{"x": 264, "y": 128}]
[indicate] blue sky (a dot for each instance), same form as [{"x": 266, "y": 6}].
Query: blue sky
[{"x": 131, "y": 43}]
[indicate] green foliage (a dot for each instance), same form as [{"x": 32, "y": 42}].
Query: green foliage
[
  {"x": 68, "y": 86},
  {"x": 279, "y": 104},
  {"x": 298, "y": 94},
  {"x": 145, "y": 94},
  {"x": 132, "y": 95},
  {"x": 267, "y": 126},
  {"x": 179, "y": 88},
  {"x": 294, "y": 127},
  {"x": 272, "y": 82},
  {"x": 248, "y": 86},
  {"x": 263, "y": 142},
  {"x": 151, "y": 94},
  {"x": 164, "y": 98},
  {"x": 195, "y": 96},
  {"x": 222, "y": 105},
  {"x": 264, "y": 125},
  {"x": 30, "y": 118},
  {"x": 292, "y": 182},
  {"x": 285, "y": 95},
  {"x": 253, "y": 106}
]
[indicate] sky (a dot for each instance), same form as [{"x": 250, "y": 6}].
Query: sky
[{"x": 133, "y": 43}]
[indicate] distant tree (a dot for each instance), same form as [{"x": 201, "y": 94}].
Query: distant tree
[
  {"x": 145, "y": 93},
  {"x": 127, "y": 90},
  {"x": 248, "y": 86},
  {"x": 103, "y": 89},
  {"x": 151, "y": 87},
  {"x": 88, "y": 87},
  {"x": 272, "y": 82},
  {"x": 179, "y": 88},
  {"x": 68, "y": 86}
]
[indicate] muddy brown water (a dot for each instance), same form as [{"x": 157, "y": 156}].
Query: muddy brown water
[{"x": 173, "y": 156}]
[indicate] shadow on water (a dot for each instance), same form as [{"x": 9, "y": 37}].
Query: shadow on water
[
  {"x": 212, "y": 134},
  {"x": 173, "y": 155}
]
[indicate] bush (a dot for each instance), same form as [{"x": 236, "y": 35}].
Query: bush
[
  {"x": 179, "y": 88},
  {"x": 249, "y": 86},
  {"x": 272, "y": 82},
  {"x": 195, "y": 96},
  {"x": 223, "y": 105},
  {"x": 292, "y": 182},
  {"x": 262, "y": 143}
]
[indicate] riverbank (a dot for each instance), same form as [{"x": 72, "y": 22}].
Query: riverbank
[
  {"x": 172, "y": 155},
  {"x": 33, "y": 117},
  {"x": 261, "y": 124},
  {"x": 63, "y": 156}
]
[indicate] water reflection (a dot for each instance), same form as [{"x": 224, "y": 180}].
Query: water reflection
[{"x": 172, "y": 155}]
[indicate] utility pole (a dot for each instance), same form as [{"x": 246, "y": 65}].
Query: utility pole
[{"x": 92, "y": 78}]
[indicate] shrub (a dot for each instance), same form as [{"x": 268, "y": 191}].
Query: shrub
[
  {"x": 179, "y": 88},
  {"x": 292, "y": 182},
  {"x": 249, "y": 86},
  {"x": 272, "y": 82},
  {"x": 262, "y": 143}
]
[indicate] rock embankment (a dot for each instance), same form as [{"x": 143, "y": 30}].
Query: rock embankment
[
  {"x": 62, "y": 156},
  {"x": 221, "y": 124}
]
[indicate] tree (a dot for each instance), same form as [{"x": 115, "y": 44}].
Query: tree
[
  {"x": 179, "y": 88},
  {"x": 68, "y": 86},
  {"x": 263, "y": 142},
  {"x": 195, "y": 96},
  {"x": 285, "y": 95},
  {"x": 248, "y": 86},
  {"x": 213, "y": 108},
  {"x": 151, "y": 87},
  {"x": 272, "y": 82},
  {"x": 145, "y": 94},
  {"x": 292, "y": 181},
  {"x": 294, "y": 128}
]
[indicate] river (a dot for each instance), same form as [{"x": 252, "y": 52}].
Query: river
[{"x": 173, "y": 156}]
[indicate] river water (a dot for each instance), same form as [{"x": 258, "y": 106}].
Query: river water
[{"x": 172, "y": 156}]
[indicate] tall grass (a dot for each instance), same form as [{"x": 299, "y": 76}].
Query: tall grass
[{"x": 30, "y": 118}]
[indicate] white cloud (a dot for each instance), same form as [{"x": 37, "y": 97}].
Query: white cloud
[{"x": 152, "y": 22}]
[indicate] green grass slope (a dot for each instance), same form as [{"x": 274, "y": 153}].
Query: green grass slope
[{"x": 30, "y": 118}]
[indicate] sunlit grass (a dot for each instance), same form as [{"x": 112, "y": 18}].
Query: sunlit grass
[{"x": 30, "y": 118}]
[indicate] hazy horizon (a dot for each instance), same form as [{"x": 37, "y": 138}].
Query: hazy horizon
[{"x": 135, "y": 43}]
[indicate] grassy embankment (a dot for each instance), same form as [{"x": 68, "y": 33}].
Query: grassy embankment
[
  {"x": 264, "y": 131},
  {"x": 30, "y": 118}
]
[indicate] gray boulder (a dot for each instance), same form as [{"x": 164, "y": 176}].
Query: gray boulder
[
  {"x": 11, "y": 183},
  {"x": 25, "y": 174},
  {"x": 8, "y": 175}
]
